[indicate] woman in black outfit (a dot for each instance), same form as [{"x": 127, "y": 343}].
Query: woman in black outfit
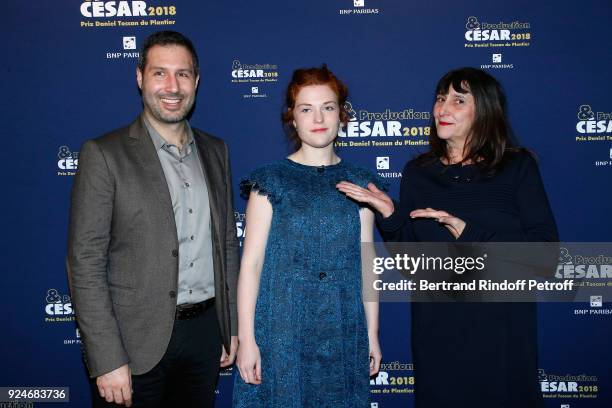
[{"x": 473, "y": 185}]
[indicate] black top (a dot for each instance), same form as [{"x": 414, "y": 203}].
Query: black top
[
  {"x": 510, "y": 206},
  {"x": 474, "y": 354}
]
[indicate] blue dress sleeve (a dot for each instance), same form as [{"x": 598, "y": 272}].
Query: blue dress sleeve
[{"x": 265, "y": 181}]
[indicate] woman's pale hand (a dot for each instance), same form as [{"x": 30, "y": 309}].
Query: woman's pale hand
[
  {"x": 248, "y": 362},
  {"x": 453, "y": 224},
  {"x": 372, "y": 196},
  {"x": 375, "y": 355}
]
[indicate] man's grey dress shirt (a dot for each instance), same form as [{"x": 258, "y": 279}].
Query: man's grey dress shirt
[{"x": 189, "y": 193}]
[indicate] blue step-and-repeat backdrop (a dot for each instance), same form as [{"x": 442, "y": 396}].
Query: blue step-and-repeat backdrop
[{"x": 68, "y": 74}]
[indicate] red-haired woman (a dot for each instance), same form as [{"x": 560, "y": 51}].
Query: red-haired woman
[{"x": 307, "y": 338}]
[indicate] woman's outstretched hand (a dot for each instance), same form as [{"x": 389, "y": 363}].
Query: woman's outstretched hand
[
  {"x": 453, "y": 224},
  {"x": 376, "y": 198}
]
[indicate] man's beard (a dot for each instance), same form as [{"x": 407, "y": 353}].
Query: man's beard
[{"x": 153, "y": 103}]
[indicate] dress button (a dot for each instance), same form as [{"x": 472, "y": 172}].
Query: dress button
[
  {"x": 192, "y": 237},
  {"x": 172, "y": 294},
  {"x": 322, "y": 275},
  {"x": 186, "y": 184},
  {"x": 190, "y": 211},
  {"x": 175, "y": 253}
]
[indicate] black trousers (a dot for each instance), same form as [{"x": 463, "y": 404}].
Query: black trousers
[{"x": 187, "y": 374}]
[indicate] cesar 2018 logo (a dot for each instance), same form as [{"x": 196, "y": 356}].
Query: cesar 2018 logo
[
  {"x": 67, "y": 160},
  {"x": 57, "y": 305},
  {"x": 476, "y": 31},
  {"x": 91, "y": 8},
  {"x": 254, "y": 72},
  {"x": 598, "y": 266},
  {"x": 364, "y": 123},
  {"x": 590, "y": 122},
  {"x": 238, "y": 71}
]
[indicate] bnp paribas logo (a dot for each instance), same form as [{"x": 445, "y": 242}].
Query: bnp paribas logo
[
  {"x": 129, "y": 43},
  {"x": 359, "y": 8},
  {"x": 384, "y": 163},
  {"x": 129, "y": 49},
  {"x": 596, "y": 301},
  {"x": 496, "y": 63}
]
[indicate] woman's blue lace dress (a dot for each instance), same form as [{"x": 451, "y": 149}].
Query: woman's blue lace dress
[{"x": 309, "y": 320}]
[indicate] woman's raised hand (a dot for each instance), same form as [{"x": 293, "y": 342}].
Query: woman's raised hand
[
  {"x": 376, "y": 198},
  {"x": 453, "y": 224}
]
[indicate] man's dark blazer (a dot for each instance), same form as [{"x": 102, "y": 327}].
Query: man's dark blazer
[{"x": 123, "y": 248}]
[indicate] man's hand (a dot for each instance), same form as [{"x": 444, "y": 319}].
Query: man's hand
[
  {"x": 228, "y": 359},
  {"x": 116, "y": 386}
]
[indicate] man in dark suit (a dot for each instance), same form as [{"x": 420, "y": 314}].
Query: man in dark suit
[{"x": 153, "y": 254}]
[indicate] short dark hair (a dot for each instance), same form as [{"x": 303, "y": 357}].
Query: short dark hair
[
  {"x": 491, "y": 135},
  {"x": 311, "y": 76},
  {"x": 165, "y": 38}
]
